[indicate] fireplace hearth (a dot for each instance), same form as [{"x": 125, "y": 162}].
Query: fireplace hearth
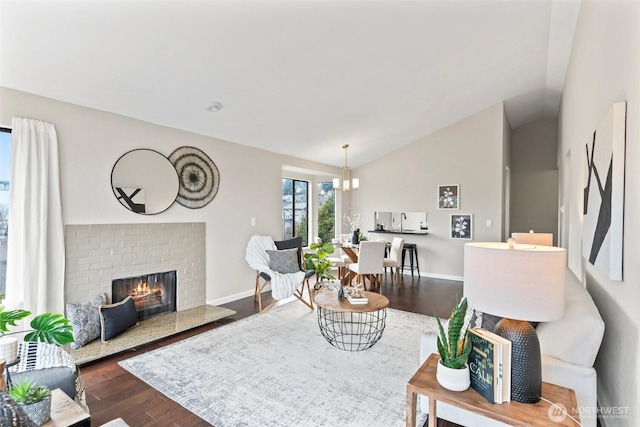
[{"x": 153, "y": 294}]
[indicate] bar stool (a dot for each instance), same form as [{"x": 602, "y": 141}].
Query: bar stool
[{"x": 412, "y": 250}]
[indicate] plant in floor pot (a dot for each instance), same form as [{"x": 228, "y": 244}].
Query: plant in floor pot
[
  {"x": 320, "y": 263},
  {"x": 34, "y": 399},
  {"x": 319, "y": 260},
  {"x": 454, "y": 347}
]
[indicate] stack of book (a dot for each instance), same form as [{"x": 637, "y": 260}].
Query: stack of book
[
  {"x": 357, "y": 297},
  {"x": 490, "y": 365}
]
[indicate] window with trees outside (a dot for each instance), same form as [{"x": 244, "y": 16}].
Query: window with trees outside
[
  {"x": 326, "y": 211},
  {"x": 295, "y": 209},
  {"x": 5, "y": 173}
]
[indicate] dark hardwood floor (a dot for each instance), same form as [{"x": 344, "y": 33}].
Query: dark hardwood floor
[{"x": 114, "y": 393}]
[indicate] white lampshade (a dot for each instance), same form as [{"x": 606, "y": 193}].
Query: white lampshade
[{"x": 524, "y": 283}]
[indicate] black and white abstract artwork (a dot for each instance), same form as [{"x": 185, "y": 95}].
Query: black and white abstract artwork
[
  {"x": 131, "y": 198},
  {"x": 461, "y": 227},
  {"x": 448, "y": 197},
  {"x": 604, "y": 193}
]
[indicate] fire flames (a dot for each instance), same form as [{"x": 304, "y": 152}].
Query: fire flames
[{"x": 144, "y": 295}]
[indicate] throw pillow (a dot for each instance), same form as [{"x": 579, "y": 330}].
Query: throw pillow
[
  {"x": 117, "y": 318},
  {"x": 85, "y": 320},
  {"x": 11, "y": 414},
  {"x": 284, "y": 261}
]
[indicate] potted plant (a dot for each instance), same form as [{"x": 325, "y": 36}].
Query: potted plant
[
  {"x": 454, "y": 347},
  {"x": 35, "y": 400},
  {"x": 52, "y": 328},
  {"x": 318, "y": 260}
]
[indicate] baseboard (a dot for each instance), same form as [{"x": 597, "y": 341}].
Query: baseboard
[
  {"x": 437, "y": 276},
  {"x": 236, "y": 297}
]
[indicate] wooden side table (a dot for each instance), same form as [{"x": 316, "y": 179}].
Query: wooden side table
[
  {"x": 512, "y": 413},
  {"x": 65, "y": 412}
]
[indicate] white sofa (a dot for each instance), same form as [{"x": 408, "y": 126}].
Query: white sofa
[{"x": 569, "y": 347}]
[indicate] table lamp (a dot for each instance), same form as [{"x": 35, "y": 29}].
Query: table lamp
[
  {"x": 520, "y": 283},
  {"x": 533, "y": 238}
]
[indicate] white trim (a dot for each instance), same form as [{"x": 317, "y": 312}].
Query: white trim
[
  {"x": 437, "y": 276},
  {"x": 236, "y": 297}
]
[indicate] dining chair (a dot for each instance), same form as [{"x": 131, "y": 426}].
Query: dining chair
[
  {"x": 394, "y": 259},
  {"x": 339, "y": 263},
  {"x": 370, "y": 264}
]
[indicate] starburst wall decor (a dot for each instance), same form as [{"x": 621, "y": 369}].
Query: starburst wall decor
[{"x": 198, "y": 176}]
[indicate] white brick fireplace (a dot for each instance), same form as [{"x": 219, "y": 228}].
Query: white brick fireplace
[{"x": 98, "y": 253}]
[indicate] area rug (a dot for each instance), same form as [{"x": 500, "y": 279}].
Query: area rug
[{"x": 276, "y": 369}]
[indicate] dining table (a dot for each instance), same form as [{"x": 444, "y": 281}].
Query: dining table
[{"x": 351, "y": 251}]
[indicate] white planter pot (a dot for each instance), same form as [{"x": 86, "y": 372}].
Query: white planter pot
[
  {"x": 453, "y": 379},
  {"x": 9, "y": 349}
]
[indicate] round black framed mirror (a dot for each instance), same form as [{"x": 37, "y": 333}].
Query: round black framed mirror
[{"x": 144, "y": 181}]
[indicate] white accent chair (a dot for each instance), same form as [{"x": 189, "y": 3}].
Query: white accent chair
[
  {"x": 370, "y": 264},
  {"x": 394, "y": 260},
  {"x": 265, "y": 277}
]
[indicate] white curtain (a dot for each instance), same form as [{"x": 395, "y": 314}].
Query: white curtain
[{"x": 35, "y": 255}]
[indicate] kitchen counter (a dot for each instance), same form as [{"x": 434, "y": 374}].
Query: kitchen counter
[{"x": 418, "y": 232}]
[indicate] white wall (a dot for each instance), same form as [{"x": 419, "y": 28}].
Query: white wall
[
  {"x": 605, "y": 68},
  {"x": 91, "y": 141},
  {"x": 469, "y": 153}
]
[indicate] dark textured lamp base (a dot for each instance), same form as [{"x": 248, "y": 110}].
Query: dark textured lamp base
[{"x": 526, "y": 363}]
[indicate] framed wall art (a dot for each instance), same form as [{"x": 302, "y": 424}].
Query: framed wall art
[
  {"x": 448, "y": 197},
  {"x": 604, "y": 193},
  {"x": 461, "y": 226}
]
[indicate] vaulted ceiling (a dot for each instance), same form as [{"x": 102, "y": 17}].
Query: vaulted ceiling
[{"x": 294, "y": 77}]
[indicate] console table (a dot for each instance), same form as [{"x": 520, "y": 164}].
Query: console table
[{"x": 511, "y": 413}]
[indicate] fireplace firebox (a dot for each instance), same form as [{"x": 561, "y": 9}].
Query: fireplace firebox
[{"x": 153, "y": 294}]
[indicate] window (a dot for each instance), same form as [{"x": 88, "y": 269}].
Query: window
[
  {"x": 295, "y": 209},
  {"x": 5, "y": 173},
  {"x": 326, "y": 211}
]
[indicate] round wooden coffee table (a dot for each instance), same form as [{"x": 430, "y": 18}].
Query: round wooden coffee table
[{"x": 351, "y": 327}]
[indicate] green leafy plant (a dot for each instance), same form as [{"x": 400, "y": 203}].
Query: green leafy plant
[
  {"x": 52, "y": 328},
  {"x": 27, "y": 392},
  {"x": 319, "y": 261},
  {"x": 454, "y": 346}
]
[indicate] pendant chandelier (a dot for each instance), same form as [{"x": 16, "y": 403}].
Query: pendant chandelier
[{"x": 346, "y": 184}]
